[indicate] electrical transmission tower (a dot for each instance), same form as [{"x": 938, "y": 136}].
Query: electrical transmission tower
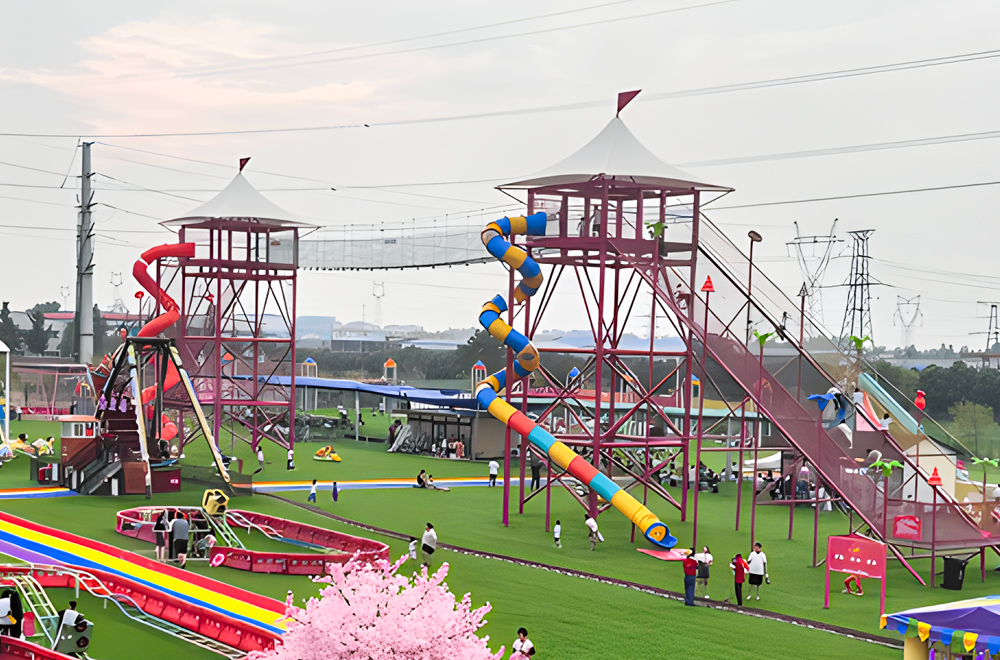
[
  {"x": 813, "y": 254},
  {"x": 992, "y": 334},
  {"x": 907, "y": 315},
  {"x": 858, "y": 313},
  {"x": 119, "y": 305}
]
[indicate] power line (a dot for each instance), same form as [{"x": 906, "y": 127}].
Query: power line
[
  {"x": 875, "y": 146},
  {"x": 33, "y": 169},
  {"x": 145, "y": 189},
  {"x": 858, "y": 196},
  {"x": 416, "y": 49},
  {"x": 759, "y": 84},
  {"x": 259, "y": 62}
]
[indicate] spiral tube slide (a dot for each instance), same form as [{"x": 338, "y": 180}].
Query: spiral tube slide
[
  {"x": 171, "y": 312},
  {"x": 526, "y": 361}
]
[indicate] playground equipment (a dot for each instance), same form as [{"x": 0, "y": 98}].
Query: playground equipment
[
  {"x": 326, "y": 454},
  {"x": 623, "y": 226},
  {"x": 139, "y": 375},
  {"x": 241, "y": 278},
  {"x": 144, "y": 605},
  {"x": 328, "y": 547},
  {"x": 254, "y": 619},
  {"x": 494, "y": 237}
]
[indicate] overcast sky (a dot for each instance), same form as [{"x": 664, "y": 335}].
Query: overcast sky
[{"x": 125, "y": 68}]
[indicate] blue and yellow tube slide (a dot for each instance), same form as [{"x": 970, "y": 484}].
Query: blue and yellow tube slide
[{"x": 495, "y": 238}]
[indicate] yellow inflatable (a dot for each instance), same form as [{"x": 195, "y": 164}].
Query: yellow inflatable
[{"x": 326, "y": 454}]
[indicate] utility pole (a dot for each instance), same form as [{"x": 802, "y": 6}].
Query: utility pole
[{"x": 85, "y": 267}]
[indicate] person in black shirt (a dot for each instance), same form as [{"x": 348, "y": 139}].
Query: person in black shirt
[{"x": 421, "y": 480}]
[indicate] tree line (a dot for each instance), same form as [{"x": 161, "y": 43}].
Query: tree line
[{"x": 35, "y": 339}]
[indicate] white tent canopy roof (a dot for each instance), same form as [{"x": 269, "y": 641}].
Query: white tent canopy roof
[
  {"x": 617, "y": 154},
  {"x": 240, "y": 200}
]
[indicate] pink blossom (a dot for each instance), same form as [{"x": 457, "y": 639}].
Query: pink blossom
[{"x": 370, "y": 611}]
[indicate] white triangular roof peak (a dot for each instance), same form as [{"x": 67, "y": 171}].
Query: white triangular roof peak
[
  {"x": 617, "y": 154},
  {"x": 240, "y": 200}
]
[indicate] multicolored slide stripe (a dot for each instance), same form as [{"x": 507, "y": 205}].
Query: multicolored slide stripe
[
  {"x": 36, "y": 543},
  {"x": 495, "y": 238}
]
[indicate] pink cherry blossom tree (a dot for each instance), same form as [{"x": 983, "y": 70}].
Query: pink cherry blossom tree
[{"x": 371, "y": 611}]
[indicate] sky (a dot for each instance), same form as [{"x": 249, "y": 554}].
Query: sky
[{"x": 459, "y": 97}]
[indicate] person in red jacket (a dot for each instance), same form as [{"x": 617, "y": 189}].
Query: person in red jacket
[
  {"x": 690, "y": 576},
  {"x": 740, "y": 568}
]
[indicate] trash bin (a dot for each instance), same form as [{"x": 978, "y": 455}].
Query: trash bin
[{"x": 954, "y": 573}]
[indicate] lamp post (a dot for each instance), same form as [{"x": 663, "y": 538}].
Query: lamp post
[
  {"x": 754, "y": 238},
  {"x": 707, "y": 288}
]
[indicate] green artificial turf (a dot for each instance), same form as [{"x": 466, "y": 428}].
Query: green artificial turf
[
  {"x": 16, "y": 473},
  {"x": 360, "y": 460},
  {"x": 568, "y": 617}
]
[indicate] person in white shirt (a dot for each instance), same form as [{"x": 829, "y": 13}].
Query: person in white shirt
[
  {"x": 428, "y": 544},
  {"x": 312, "y": 492},
  {"x": 846, "y": 431},
  {"x": 557, "y": 533},
  {"x": 757, "y": 561},
  {"x": 592, "y": 533},
  {"x": 886, "y": 421},
  {"x": 260, "y": 459},
  {"x": 413, "y": 548},
  {"x": 494, "y": 470},
  {"x": 522, "y": 644},
  {"x": 705, "y": 560},
  {"x": 291, "y": 459}
]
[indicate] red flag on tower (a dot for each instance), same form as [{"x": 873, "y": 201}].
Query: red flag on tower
[
  {"x": 624, "y": 98},
  {"x": 708, "y": 287},
  {"x": 243, "y": 162}
]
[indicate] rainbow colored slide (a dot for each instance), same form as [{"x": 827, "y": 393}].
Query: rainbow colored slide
[
  {"x": 526, "y": 361},
  {"x": 38, "y": 544}
]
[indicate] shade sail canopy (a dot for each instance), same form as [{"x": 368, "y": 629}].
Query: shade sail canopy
[
  {"x": 966, "y": 623},
  {"x": 616, "y": 154},
  {"x": 240, "y": 200}
]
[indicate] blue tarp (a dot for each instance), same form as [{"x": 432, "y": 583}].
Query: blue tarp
[{"x": 444, "y": 398}]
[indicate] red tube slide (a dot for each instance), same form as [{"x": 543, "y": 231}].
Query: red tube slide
[{"x": 171, "y": 312}]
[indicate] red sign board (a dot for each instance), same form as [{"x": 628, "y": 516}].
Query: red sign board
[
  {"x": 907, "y": 527},
  {"x": 857, "y": 555}
]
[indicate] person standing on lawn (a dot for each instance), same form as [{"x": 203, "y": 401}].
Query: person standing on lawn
[
  {"x": 180, "y": 529},
  {"x": 705, "y": 560},
  {"x": 160, "y": 530},
  {"x": 690, "y": 575},
  {"x": 757, "y": 561},
  {"x": 739, "y": 567},
  {"x": 557, "y": 533},
  {"x": 312, "y": 492},
  {"x": 494, "y": 470},
  {"x": 428, "y": 544},
  {"x": 592, "y": 533},
  {"x": 260, "y": 459}
]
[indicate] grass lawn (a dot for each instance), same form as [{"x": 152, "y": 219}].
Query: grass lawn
[{"x": 569, "y": 618}]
